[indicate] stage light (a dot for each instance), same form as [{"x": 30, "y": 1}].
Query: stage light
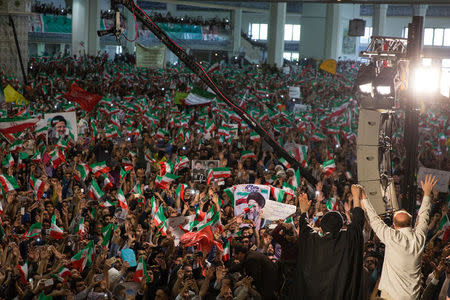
[
  {"x": 366, "y": 88},
  {"x": 365, "y": 78},
  {"x": 384, "y": 90},
  {"x": 386, "y": 83}
]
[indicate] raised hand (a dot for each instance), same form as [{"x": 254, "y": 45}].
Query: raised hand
[
  {"x": 304, "y": 203},
  {"x": 356, "y": 191},
  {"x": 428, "y": 184}
]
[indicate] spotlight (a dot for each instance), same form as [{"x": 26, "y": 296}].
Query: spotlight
[
  {"x": 366, "y": 88},
  {"x": 386, "y": 82},
  {"x": 365, "y": 78}
]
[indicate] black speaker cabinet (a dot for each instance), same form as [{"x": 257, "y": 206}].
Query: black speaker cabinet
[{"x": 356, "y": 27}]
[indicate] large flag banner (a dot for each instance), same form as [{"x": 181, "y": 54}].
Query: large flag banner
[
  {"x": 85, "y": 99},
  {"x": 15, "y": 125}
]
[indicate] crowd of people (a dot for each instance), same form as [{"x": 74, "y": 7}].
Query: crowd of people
[
  {"x": 50, "y": 9},
  {"x": 91, "y": 215}
]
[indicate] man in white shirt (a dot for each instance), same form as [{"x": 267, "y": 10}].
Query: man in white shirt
[{"x": 400, "y": 278}]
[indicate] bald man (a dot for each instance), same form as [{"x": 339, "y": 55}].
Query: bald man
[{"x": 404, "y": 245}]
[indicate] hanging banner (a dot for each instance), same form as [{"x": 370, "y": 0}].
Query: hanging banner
[
  {"x": 443, "y": 178},
  {"x": 153, "y": 57}
]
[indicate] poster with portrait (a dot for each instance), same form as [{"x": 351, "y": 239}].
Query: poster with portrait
[
  {"x": 200, "y": 168},
  {"x": 62, "y": 124},
  {"x": 174, "y": 224},
  {"x": 249, "y": 202}
]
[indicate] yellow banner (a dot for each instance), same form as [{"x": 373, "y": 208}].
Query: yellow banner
[
  {"x": 13, "y": 96},
  {"x": 329, "y": 66}
]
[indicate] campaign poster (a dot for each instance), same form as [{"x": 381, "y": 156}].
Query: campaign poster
[
  {"x": 249, "y": 202},
  {"x": 61, "y": 124},
  {"x": 200, "y": 169}
]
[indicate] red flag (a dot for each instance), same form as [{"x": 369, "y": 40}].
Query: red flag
[
  {"x": 86, "y": 100},
  {"x": 203, "y": 239}
]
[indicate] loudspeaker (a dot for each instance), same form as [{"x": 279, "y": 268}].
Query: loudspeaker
[
  {"x": 367, "y": 163},
  {"x": 368, "y": 127},
  {"x": 356, "y": 27},
  {"x": 373, "y": 192}
]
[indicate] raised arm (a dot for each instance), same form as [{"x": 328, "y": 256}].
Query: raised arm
[
  {"x": 380, "y": 228},
  {"x": 424, "y": 212}
]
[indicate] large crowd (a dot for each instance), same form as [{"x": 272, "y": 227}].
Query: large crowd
[{"x": 89, "y": 217}]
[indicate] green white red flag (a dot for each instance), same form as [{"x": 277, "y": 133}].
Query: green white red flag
[
  {"x": 38, "y": 187},
  {"x": 329, "y": 167},
  {"x": 94, "y": 191},
  {"x": 141, "y": 271},
  {"x": 8, "y": 183},
  {"x": 84, "y": 257},
  {"x": 99, "y": 168},
  {"x": 14, "y": 125},
  {"x": 55, "y": 231}
]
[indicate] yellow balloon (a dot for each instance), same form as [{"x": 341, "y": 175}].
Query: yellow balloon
[{"x": 329, "y": 66}]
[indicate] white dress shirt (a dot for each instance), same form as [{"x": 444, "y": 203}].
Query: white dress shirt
[{"x": 400, "y": 277}]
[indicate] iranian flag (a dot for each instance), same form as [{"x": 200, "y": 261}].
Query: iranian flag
[
  {"x": 62, "y": 274},
  {"x": 38, "y": 187},
  {"x": 444, "y": 224},
  {"x": 332, "y": 204},
  {"x": 14, "y": 125},
  {"x": 23, "y": 271},
  {"x": 247, "y": 154},
  {"x": 318, "y": 137},
  {"x": 141, "y": 271},
  {"x": 301, "y": 154},
  {"x": 277, "y": 194},
  {"x": 290, "y": 189},
  {"x": 285, "y": 163},
  {"x": 210, "y": 176},
  {"x": 57, "y": 157},
  {"x": 329, "y": 167},
  {"x": 254, "y": 136},
  {"x": 224, "y": 131},
  {"x": 198, "y": 96},
  {"x": 84, "y": 257},
  {"x": 8, "y": 183},
  {"x": 180, "y": 190},
  {"x": 107, "y": 184},
  {"x": 108, "y": 203},
  {"x": 16, "y": 146},
  {"x": 37, "y": 156},
  {"x": 296, "y": 180},
  {"x": 348, "y": 175},
  {"x": 226, "y": 250},
  {"x": 99, "y": 168},
  {"x": 55, "y": 232},
  {"x": 8, "y": 161},
  {"x": 107, "y": 233},
  {"x": 122, "y": 200},
  {"x": 84, "y": 170},
  {"x": 210, "y": 127},
  {"x": 339, "y": 109},
  {"x": 221, "y": 172},
  {"x": 181, "y": 162},
  {"x": 161, "y": 133},
  {"x": 94, "y": 191},
  {"x": 34, "y": 231},
  {"x": 22, "y": 156},
  {"x": 333, "y": 129},
  {"x": 80, "y": 227},
  {"x": 160, "y": 220},
  {"x": 230, "y": 193},
  {"x": 162, "y": 181}
]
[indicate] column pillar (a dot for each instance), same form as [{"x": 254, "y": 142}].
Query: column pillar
[
  {"x": 277, "y": 19},
  {"x": 236, "y": 18},
  {"x": 130, "y": 31},
  {"x": 94, "y": 25},
  {"x": 379, "y": 19},
  {"x": 333, "y": 32},
  {"x": 420, "y": 10},
  {"x": 80, "y": 26}
]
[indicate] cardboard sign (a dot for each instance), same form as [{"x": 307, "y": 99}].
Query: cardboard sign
[
  {"x": 129, "y": 256},
  {"x": 443, "y": 178},
  {"x": 294, "y": 92},
  {"x": 274, "y": 210}
]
